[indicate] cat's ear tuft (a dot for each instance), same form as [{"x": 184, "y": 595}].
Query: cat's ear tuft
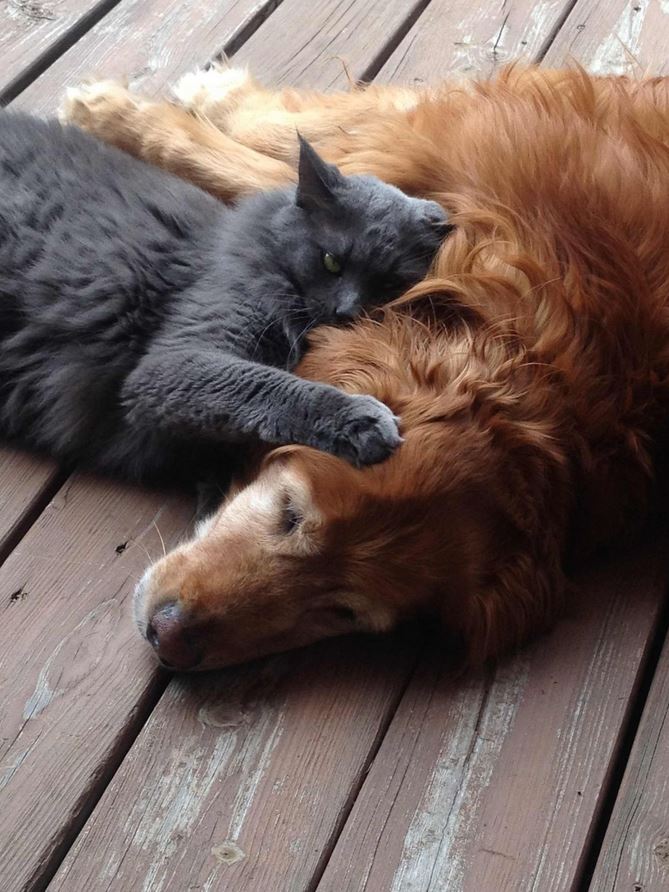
[{"x": 317, "y": 181}]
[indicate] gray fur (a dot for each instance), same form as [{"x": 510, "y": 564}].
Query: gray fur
[{"x": 144, "y": 325}]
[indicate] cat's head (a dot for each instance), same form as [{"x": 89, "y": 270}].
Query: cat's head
[{"x": 353, "y": 242}]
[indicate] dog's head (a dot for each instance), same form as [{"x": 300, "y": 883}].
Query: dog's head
[{"x": 457, "y": 523}]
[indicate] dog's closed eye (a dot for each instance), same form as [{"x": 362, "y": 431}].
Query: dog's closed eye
[{"x": 343, "y": 613}]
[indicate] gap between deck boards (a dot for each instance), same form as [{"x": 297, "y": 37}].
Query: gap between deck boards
[
  {"x": 63, "y": 43},
  {"x": 32, "y": 510},
  {"x": 620, "y": 760}
]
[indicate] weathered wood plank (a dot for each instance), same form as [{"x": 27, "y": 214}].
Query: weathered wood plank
[
  {"x": 460, "y": 38},
  {"x": 615, "y": 37},
  {"x": 492, "y": 784},
  {"x": 635, "y": 853},
  {"x": 148, "y": 42},
  {"x": 243, "y": 776},
  {"x": 74, "y": 679},
  {"x": 308, "y": 43},
  {"x": 32, "y": 31},
  {"x": 25, "y": 482}
]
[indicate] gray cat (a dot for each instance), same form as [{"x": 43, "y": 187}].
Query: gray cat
[{"x": 143, "y": 324}]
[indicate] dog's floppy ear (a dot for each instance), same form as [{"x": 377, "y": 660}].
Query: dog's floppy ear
[
  {"x": 520, "y": 600},
  {"x": 521, "y": 585},
  {"x": 317, "y": 181}
]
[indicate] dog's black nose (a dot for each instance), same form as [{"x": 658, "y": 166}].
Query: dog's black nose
[{"x": 168, "y": 634}]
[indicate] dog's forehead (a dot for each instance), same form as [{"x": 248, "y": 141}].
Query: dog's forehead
[
  {"x": 263, "y": 498},
  {"x": 281, "y": 476}
]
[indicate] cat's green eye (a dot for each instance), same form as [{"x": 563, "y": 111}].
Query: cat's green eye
[{"x": 331, "y": 263}]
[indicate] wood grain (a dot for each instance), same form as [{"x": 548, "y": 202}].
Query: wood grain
[
  {"x": 25, "y": 481},
  {"x": 308, "y": 43},
  {"x": 460, "y": 38},
  {"x": 149, "y": 43},
  {"x": 242, "y": 776},
  {"x": 492, "y": 784},
  {"x": 615, "y": 37},
  {"x": 32, "y": 29},
  {"x": 74, "y": 678},
  {"x": 635, "y": 854}
]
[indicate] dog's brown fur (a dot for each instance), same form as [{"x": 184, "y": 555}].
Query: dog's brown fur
[{"x": 530, "y": 369}]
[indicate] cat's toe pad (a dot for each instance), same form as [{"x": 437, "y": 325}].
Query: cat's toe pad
[
  {"x": 370, "y": 433},
  {"x": 213, "y": 90}
]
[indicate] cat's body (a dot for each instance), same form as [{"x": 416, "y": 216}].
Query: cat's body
[{"x": 143, "y": 324}]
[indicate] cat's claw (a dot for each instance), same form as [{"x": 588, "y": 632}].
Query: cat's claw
[{"x": 368, "y": 433}]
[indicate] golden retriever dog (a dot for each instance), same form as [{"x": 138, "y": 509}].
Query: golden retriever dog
[{"x": 530, "y": 369}]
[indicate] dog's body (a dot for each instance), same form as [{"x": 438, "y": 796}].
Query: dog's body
[{"x": 530, "y": 370}]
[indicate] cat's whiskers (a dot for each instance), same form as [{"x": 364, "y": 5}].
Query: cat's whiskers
[
  {"x": 160, "y": 536},
  {"x": 296, "y": 342},
  {"x": 144, "y": 549},
  {"x": 262, "y": 334},
  {"x": 276, "y": 320}
]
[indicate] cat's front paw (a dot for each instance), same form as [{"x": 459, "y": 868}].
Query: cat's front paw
[{"x": 368, "y": 432}]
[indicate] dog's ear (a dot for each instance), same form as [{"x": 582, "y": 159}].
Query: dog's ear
[
  {"x": 520, "y": 600},
  {"x": 318, "y": 181},
  {"x": 519, "y": 584}
]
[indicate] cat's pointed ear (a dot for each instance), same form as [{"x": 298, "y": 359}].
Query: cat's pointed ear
[{"x": 317, "y": 181}]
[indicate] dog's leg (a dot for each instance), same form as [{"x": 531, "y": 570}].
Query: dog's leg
[
  {"x": 371, "y": 130},
  {"x": 268, "y": 121},
  {"x": 172, "y": 138},
  {"x": 218, "y": 92},
  {"x": 376, "y": 129}
]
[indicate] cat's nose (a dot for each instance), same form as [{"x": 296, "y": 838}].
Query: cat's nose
[
  {"x": 347, "y": 313},
  {"x": 435, "y": 213},
  {"x": 168, "y": 634}
]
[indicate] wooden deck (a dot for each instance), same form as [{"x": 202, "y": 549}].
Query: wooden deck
[{"x": 356, "y": 764}]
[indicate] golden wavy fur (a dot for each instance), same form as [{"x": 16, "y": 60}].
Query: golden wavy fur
[{"x": 530, "y": 369}]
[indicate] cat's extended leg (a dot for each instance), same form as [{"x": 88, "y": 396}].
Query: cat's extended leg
[
  {"x": 172, "y": 138},
  {"x": 268, "y": 120},
  {"x": 211, "y": 394}
]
